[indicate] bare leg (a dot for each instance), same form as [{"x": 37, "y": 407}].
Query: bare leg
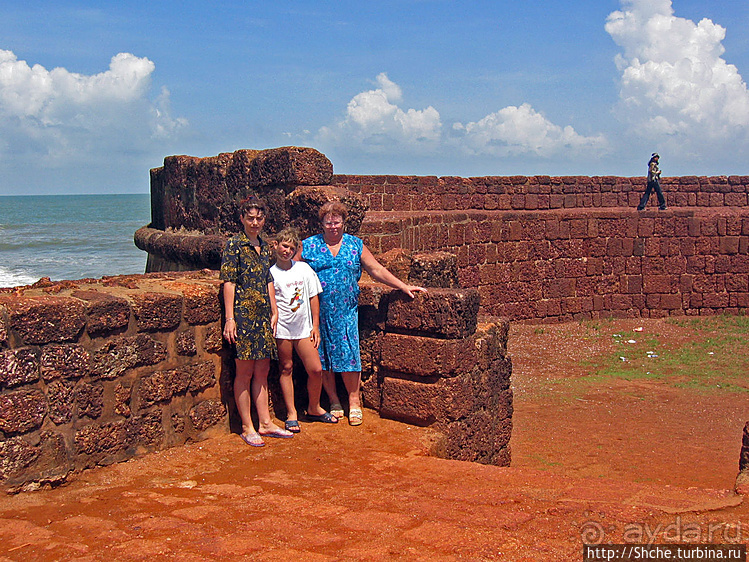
[
  {"x": 260, "y": 397},
  {"x": 286, "y": 368},
  {"x": 311, "y": 360},
  {"x": 352, "y": 380},
  {"x": 242, "y": 383},
  {"x": 328, "y": 383}
]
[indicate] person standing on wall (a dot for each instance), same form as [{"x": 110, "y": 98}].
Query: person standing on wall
[{"x": 654, "y": 183}]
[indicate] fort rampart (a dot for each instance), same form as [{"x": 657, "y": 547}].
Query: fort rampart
[
  {"x": 560, "y": 248},
  {"x": 97, "y": 371},
  {"x": 537, "y": 193},
  {"x": 535, "y": 247}
]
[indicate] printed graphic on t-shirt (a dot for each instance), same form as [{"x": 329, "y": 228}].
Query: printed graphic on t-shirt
[
  {"x": 296, "y": 300},
  {"x": 294, "y": 289}
]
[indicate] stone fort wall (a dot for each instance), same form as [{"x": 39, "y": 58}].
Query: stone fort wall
[
  {"x": 531, "y": 193},
  {"x": 560, "y": 248},
  {"x": 537, "y": 248},
  {"x": 94, "y": 372}
]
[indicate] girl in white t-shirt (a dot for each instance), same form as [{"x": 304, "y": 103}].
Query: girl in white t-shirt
[{"x": 297, "y": 288}]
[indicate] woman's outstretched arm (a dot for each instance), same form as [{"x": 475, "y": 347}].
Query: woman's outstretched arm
[{"x": 380, "y": 273}]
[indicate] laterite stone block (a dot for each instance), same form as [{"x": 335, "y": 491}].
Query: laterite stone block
[
  {"x": 41, "y": 320},
  {"x": 157, "y": 311},
  {"x": 427, "y": 357},
  {"x": 442, "y": 313}
]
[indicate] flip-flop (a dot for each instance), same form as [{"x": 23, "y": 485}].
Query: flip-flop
[
  {"x": 355, "y": 416},
  {"x": 292, "y": 426},
  {"x": 278, "y": 433},
  {"x": 336, "y": 410},
  {"x": 327, "y": 417},
  {"x": 253, "y": 440}
]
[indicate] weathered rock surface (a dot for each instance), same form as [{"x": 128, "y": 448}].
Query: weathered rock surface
[
  {"x": 203, "y": 194},
  {"x": 44, "y": 319},
  {"x": 195, "y": 202},
  {"x": 445, "y": 313},
  {"x": 94, "y": 372},
  {"x": 428, "y": 361}
]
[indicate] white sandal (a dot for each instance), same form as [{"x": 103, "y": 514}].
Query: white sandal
[{"x": 355, "y": 416}]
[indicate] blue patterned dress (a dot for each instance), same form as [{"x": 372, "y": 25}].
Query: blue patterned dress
[{"x": 339, "y": 300}]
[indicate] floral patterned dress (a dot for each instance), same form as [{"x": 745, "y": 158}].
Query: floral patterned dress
[
  {"x": 250, "y": 272},
  {"x": 339, "y": 301}
]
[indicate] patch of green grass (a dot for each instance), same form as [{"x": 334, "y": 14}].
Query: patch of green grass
[
  {"x": 738, "y": 323},
  {"x": 626, "y": 373},
  {"x": 594, "y": 325},
  {"x": 717, "y": 363},
  {"x": 717, "y": 360},
  {"x": 712, "y": 357},
  {"x": 627, "y": 363}
]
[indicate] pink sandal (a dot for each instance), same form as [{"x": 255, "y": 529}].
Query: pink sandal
[{"x": 253, "y": 440}]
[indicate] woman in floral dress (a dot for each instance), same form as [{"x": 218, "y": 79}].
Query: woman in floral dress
[{"x": 251, "y": 316}]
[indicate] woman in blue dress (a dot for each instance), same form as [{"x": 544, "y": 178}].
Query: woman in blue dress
[{"x": 338, "y": 259}]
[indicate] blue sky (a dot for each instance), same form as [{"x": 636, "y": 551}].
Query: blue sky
[{"x": 93, "y": 95}]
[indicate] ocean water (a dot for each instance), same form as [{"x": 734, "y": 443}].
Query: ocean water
[{"x": 70, "y": 236}]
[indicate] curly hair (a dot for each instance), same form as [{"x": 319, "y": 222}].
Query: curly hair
[{"x": 333, "y": 208}]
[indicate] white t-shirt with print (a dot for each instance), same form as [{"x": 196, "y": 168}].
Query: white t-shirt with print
[{"x": 294, "y": 289}]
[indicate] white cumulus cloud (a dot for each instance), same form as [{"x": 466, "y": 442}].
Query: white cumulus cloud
[
  {"x": 522, "y": 130},
  {"x": 674, "y": 82},
  {"x": 375, "y": 121},
  {"x": 57, "y": 118}
]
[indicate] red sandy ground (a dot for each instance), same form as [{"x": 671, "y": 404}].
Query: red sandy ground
[{"x": 621, "y": 462}]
